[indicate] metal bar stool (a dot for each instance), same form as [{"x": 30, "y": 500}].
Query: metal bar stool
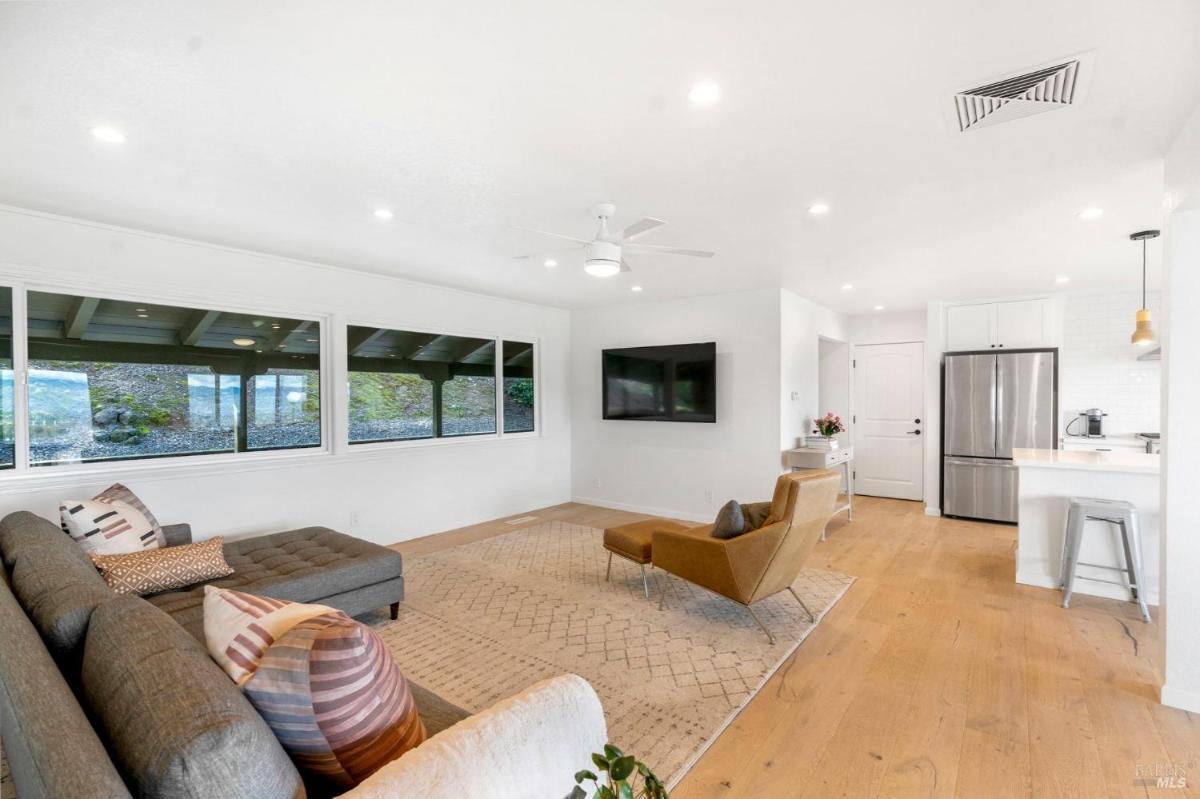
[{"x": 1125, "y": 516}]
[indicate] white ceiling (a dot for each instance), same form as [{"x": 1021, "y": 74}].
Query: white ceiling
[{"x": 280, "y": 126}]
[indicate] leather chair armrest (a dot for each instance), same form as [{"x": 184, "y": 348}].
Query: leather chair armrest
[
  {"x": 697, "y": 557},
  {"x": 177, "y": 534}
]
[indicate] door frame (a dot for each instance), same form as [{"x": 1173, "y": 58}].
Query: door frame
[{"x": 924, "y": 402}]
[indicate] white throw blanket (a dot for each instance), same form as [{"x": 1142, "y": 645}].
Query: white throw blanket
[{"x": 528, "y": 746}]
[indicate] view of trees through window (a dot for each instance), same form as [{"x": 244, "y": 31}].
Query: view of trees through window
[
  {"x": 518, "y": 387},
  {"x": 406, "y": 385},
  {"x": 114, "y": 380},
  {"x": 7, "y": 441}
]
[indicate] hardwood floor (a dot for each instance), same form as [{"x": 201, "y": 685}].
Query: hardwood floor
[{"x": 938, "y": 676}]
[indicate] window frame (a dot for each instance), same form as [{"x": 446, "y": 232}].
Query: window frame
[
  {"x": 498, "y": 340},
  {"x": 24, "y": 471}
]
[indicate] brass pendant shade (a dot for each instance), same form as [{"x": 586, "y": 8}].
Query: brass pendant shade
[{"x": 1143, "y": 333}]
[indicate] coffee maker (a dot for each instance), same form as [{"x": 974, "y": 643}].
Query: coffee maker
[{"x": 1093, "y": 420}]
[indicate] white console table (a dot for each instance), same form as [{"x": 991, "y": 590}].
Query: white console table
[{"x": 812, "y": 458}]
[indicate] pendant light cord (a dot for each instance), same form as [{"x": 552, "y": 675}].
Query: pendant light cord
[{"x": 1143, "y": 273}]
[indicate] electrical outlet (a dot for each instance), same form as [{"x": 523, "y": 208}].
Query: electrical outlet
[
  {"x": 708, "y": 495},
  {"x": 354, "y": 518},
  {"x": 795, "y": 396},
  {"x": 595, "y": 482}
]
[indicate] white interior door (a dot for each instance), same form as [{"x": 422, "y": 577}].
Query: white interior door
[{"x": 889, "y": 424}]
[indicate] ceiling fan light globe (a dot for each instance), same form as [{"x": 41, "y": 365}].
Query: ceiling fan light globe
[{"x": 602, "y": 267}]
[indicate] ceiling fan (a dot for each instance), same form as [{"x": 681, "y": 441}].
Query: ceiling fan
[{"x": 605, "y": 250}]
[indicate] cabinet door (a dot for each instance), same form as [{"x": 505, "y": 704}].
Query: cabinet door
[
  {"x": 970, "y": 327},
  {"x": 1023, "y": 324}
]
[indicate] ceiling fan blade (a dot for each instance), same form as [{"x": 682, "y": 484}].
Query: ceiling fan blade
[
  {"x": 542, "y": 253},
  {"x": 548, "y": 233},
  {"x": 671, "y": 250},
  {"x": 641, "y": 228}
]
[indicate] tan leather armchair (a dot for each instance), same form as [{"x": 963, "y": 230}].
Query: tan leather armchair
[{"x": 762, "y": 562}]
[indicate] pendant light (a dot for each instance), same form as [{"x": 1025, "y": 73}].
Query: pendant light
[{"x": 1143, "y": 334}]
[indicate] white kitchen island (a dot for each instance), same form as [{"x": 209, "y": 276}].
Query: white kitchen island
[{"x": 1047, "y": 479}]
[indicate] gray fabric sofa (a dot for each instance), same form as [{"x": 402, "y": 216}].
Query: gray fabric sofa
[{"x": 108, "y": 696}]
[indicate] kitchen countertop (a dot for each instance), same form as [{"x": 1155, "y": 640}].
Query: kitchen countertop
[{"x": 1136, "y": 462}]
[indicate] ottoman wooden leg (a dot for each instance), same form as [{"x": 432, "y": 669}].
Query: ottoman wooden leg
[{"x": 395, "y": 610}]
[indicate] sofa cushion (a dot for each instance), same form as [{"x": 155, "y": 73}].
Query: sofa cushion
[
  {"x": 54, "y": 581},
  {"x": 730, "y": 521},
  {"x": 51, "y": 747},
  {"x": 113, "y": 522},
  {"x": 307, "y": 565},
  {"x": 174, "y": 723},
  {"x": 156, "y": 570},
  {"x": 239, "y": 627},
  {"x": 336, "y": 699}
]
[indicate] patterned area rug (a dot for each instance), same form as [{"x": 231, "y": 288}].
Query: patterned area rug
[{"x": 485, "y": 620}]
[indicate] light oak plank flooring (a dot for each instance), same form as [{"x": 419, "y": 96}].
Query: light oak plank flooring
[{"x": 938, "y": 676}]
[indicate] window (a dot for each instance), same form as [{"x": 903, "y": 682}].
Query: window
[
  {"x": 114, "y": 380},
  {"x": 406, "y": 385},
  {"x": 518, "y": 387},
  {"x": 7, "y": 442}
]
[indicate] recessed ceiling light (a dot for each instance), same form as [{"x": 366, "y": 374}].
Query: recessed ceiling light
[
  {"x": 816, "y": 209},
  {"x": 244, "y": 342},
  {"x": 108, "y": 135},
  {"x": 847, "y": 286},
  {"x": 550, "y": 263},
  {"x": 1091, "y": 213},
  {"x": 636, "y": 288},
  {"x": 705, "y": 93},
  {"x": 879, "y": 307},
  {"x": 1063, "y": 279},
  {"x": 383, "y": 213}
]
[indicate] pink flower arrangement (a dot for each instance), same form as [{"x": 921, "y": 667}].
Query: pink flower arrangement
[{"x": 830, "y": 425}]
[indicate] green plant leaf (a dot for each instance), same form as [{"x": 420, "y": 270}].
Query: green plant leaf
[
  {"x": 577, "y": 793},
  {"x": 606, "y": 793},
  {"x": 622, "y": 767},
  {"x": 625, "y": 791},
  {"x": 612, "y": 752},
  {"x": 580, "y": 776},
  {"x": 600, "y": 761}
]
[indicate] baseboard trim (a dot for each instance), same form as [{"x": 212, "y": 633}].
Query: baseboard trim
[
  {"x": 647, "y": 509},
  {"x": 932, "y": 511},
  {"x": 1184, "y": 700}
]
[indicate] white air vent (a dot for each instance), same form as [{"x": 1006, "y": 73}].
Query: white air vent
[
  {"x": 521, "y": 520},
  {"x": 1046, "y": 88}
]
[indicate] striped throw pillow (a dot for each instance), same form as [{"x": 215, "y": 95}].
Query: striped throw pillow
[
  {"x": 114, "y": 522},
  {"x": 336, "y": 700},
  {"x": 238, "y": 627}
]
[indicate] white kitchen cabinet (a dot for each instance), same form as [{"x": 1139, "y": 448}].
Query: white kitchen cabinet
[{"x": 1019, "y": 324}]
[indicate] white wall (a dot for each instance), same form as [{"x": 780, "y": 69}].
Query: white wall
[
  {"x": 397, "y": 493},
  {"x": 666, "y": 468},
  {"x": 886, "y": 328},
  {"x": 1181, "y": 425},
  {"x": 1098, "y": 366},
  {"x": 802, "y": 324}
]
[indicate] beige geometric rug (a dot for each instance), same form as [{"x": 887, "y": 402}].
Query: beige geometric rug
[{"x": 487, "y": 619}]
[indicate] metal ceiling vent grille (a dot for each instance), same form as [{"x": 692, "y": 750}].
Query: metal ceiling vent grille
[{"x": 1034, "y": 92}]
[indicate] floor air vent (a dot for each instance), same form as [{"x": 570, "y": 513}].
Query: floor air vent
[
  {"x": 1044, "y": 89},
  {"x": 521, "y": 520}
]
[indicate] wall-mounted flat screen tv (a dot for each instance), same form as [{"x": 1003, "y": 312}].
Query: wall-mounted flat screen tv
[{"x": 676, "y": 383}]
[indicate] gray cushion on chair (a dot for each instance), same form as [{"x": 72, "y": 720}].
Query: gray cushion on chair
[
  {"x": 175, "y": 724},
  {"x": 730, "y": 522},
  {"x": 54, "y": 581}
]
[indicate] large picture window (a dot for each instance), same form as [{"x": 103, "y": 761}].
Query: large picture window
[
  {"x": 406, "y": 385},
  {"x": 115, "y": 380}
]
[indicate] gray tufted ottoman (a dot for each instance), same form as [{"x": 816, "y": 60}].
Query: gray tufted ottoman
[{"x": 313, "y": 564}]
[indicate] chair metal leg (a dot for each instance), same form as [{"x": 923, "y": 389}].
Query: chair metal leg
[
  {"x": 1066, "y": 546},
  {"x": 645, "y": 583},
  {"x": 608, "y": 572},
  {"x": 770, "y": 637},
  {"x": 1135, "y": 543},
  {"x": 1074, "y": 537},
  {"x": 1129, "y": 572},
  {"x": 812, "y": 618},
  {"x": 662, "y": 591}
]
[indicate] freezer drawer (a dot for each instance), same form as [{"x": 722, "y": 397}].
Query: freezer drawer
[{"x": 979, "y": 488}]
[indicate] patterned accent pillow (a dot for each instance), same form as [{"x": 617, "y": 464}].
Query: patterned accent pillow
[
  {"x": 238, "y": 627},
  {"x": 114, "y": 522},
  {"x": 730, "y": 522},
  {"x": 336, "y": 700},
  {"x": 156, "y": 570}
]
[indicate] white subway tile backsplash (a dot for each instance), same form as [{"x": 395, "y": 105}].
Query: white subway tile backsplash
[{"x": 1098, "y": 367}]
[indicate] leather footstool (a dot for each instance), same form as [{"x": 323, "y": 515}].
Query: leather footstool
[{"x": 632, "y": 542}]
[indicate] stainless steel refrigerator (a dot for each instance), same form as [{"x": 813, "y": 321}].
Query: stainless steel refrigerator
[{"x": 993, "y": 403}]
